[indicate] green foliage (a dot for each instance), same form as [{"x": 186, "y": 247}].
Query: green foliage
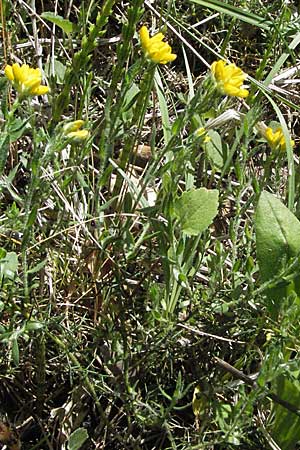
[
  {"x": 62, "y": 23},
  {"x": 277, "y": 242},
  {"x": 285, "y": 428},
  {"x": 215, "y": 150},
  {"x": 77, "y": 439},
  {"x": 139, "y": 243},
  {"x": 196, "y": 210},
  {"x": 8, "y": 265},
  {"x": 236, "y": 12}
]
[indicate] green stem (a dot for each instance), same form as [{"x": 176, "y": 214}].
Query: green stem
[
  {"x": 83, "y": 373},
  {"x": 137, "y": 120}
]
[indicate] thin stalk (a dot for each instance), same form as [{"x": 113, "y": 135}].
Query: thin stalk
[{"x": 83, "y": 373}]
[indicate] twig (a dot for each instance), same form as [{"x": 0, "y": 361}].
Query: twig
[
  {"x": 214, "y": 336},
  {"x": 252, "y": 382},
  {"x": 38, "y": 48}
]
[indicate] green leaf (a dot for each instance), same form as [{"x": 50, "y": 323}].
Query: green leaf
[
  {"x": 15, "y": 352},
  {"x": 38, "y": 267},
  {"x": 32, "y": 216},
  {"x": 58, "y": 68},
  {"x": 237, "y": 12},
  {"x": 214, "y": 149},
  {"x": 166, "y": 124},
  {"x": 4, "y": 149},
  {"x": 33, "y": 325},
  {"x": 196, "y": 210},
  {"x": 17, "y": 128},
  {"x": 77, "y": 438},
  {"x": 8, "y": 266},
  {"x": 285, "y": 429},
  {"x": 277, "y": 241},
  {"x": 62, "y": 23}
]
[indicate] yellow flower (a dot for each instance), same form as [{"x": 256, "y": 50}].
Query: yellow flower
[
  {"x": 276, "y": 139},
  {"x": 79, "y": 135},
  {"x": 72, "y": 126},
  {"x": 154, "y": 48},
  {"x": 229, "y": 79},
  {"x": 202, "y": 133},
  {"x": 72, "y": 130},
  {"x": 25, "y": 80}
]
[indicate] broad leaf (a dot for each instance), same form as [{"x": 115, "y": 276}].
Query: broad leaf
[
  {"x": 277, "y": 241},
  {"x": 77, "y": 438},
  {"x": 285, "y": 429},
  {"x": 8, "y": 266},
  {"x": 196, "y": 210},
  {"x": 58, "y": 70}
]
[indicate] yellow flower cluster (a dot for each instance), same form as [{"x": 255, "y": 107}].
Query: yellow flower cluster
[
  {"x": 276, "y": 139},
  {"x": 73, "y": 131},
  {"x": 154, "y": 48},
  {"x": 25, "y": 80},
  {"x": 229, "y": 79}
]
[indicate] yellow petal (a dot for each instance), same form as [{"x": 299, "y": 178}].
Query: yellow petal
[
  {"x": 17, "y": 72},
  {"x": 218, "y": 69},
  {"x": 172, "y": 56},
  {"x": 31, "y": 83},
  {"x": 157, "y": 38},
  {"x": 21, "y": 73},
  {"x": 144, "y": 37},
  {"x": 9, "y": 73},
  {"x": 41, "y": 90},
  {"x": 73, "y": 126},
  {"x": 230, "y": 89},
  {"x": 79, "y": 135},
  {"x": 166, "y": 57},
  {"x": 243, "y": 93},
  {"x": 238, "y": 79},
  {"x": 269, "y": 134},
  {"x": 154, "y": 48}
]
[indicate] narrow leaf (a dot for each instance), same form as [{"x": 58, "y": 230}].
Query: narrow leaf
[
  {"x": 4, "y": 149},
  {"x": 163, "y": 107},
  {"x": 236, "y": 12},
  {"x": 62, "y": 23},
  {"x": 15, "y": 352},
  {"x": 214, "y": 150}
]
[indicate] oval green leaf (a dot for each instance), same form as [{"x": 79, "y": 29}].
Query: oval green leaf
[
  {"x": 77, "y": 439},
  {"x": 277, "y": 240},
  {"x": 196, "y": 210}
]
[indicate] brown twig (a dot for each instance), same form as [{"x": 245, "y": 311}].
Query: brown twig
[{"x": 251, "y": 382}]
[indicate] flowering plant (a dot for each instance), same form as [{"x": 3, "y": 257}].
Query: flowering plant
[
  {"x": 276, "y": 139},
  {"x": 25, "y": 80},
  {"x": 72, "y": 130},
  {"x": 229, "y": 79},
  {"x": 154, "y": 48}
]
